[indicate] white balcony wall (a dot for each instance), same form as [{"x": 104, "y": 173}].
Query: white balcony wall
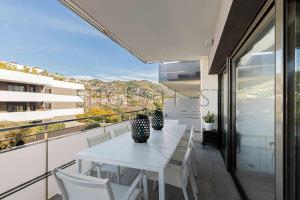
[
  {"x": 186, "y": 111},
  {"x": 21, "y": 77},
  {"x": 11, "y": 96},
  {"x": 39, "y": 115},
  {"x": 28, "y": 162},
  {"x": 22, "y": 165},
  {"x": 27, "y": 78},
  {"x": 62, "y": 151},
  {"x": 34, "y": 192}
]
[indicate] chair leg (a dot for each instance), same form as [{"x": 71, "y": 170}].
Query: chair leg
[
  {"x": 186, "y": 197},
  {"x": 154, "y": 185},
  {"x": 145, "y": 188},
  {"x": 194, "y": 186}
]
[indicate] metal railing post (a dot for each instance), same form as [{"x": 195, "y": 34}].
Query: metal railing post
[{"x": 45, "y": 127}]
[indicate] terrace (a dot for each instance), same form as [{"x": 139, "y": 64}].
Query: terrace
[
  {"x": 233, "y": 58},
  {"x": 51, "y": 149}
]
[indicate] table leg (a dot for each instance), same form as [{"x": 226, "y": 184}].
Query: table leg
[
  {"x": 119, "y": 175},
  {"x": 79, "y": 165},
  {"x": 161, "y": 179}
]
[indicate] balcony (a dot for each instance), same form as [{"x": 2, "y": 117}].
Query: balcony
[
  {"x": 183, "y": 77},
  {"x": 10, "y": 96},
  {"x": 181, "y": 71},
  {"x": 39, "y": 115},
  {"x": 26, "y": 78},
  {"x": 48, "y": 150}
]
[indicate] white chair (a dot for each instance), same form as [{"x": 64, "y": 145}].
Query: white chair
[
  {"x": 81, "y": 187},
  {"x": 184, "y": 144},
  {"x": 121, "y": 131},
  {"x": 178, "y": 175},
  {"x": 98, "y": 139}
]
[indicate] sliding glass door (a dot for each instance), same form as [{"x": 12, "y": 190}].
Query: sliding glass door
[{"x": 254, "y": 92}]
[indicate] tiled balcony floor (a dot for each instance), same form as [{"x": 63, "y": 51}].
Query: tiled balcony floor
[{"x": 214, "y": 182}]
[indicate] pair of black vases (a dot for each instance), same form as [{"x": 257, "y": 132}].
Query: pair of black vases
[{"x": 141, "y": 126}]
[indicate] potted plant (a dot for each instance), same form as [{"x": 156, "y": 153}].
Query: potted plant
[
  {"x": 209, "y": 120},
  {"x": 140, "y": 126},
  {"x": 157, "y": 118}
]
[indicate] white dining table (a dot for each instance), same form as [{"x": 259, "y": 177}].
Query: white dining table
[{"x": 152, "y": 156}]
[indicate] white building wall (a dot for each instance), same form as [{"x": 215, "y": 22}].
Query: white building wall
[{"x": 209, "y": 91}]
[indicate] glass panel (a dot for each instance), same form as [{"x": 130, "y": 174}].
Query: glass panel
[
  {"x": 10, "y": 87},
  {"x": 224, "y": 112},
  {"x": 16, "y": 88},
  {"x": 22, "y": 88},
  {"x": 255, "y": 120}
]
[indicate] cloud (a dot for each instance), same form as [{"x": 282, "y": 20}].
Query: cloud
[
  {"x": 32, "y": 16},
  {"x": 123, "y": 75},
  {"x": 130, "y": 74},
  {"x": 83, "y": 77}
]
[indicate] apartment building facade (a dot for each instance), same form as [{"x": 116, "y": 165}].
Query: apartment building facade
[{"x": 37, "y": 98}]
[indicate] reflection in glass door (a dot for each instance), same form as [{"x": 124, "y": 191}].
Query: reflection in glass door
[
  {"x": 254, "y": 110},
  {"x": 224, "y": 113}
]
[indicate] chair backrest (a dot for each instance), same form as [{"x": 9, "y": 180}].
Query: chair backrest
[
  {"x": 121, "y": 131},
  {"x": 191, "y": 137},
  {"x": 98, "y": 139},
  {"x": 78, "y": 187},
  {"x": 186, "y": 165}
]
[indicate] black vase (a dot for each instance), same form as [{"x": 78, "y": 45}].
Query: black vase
[
  {"x": 158, "y": 120},
  {"x": 140, "y": 128}
]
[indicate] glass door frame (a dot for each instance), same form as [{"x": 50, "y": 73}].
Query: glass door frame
[
  {"x": 227, "y": 161},
  {"x": 266, "y": 14},
  {"x": 292, "y": 145}
]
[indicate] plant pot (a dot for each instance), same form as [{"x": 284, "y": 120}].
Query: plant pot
[
  {"x": 208, "y": 126},
  {"x": 158, "y": 120},
  {"x": 140, "y": 128}
]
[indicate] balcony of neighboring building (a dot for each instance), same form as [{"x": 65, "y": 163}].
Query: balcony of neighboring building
[
  {"x": 179, "y": 71},
  {"x": 36, "y": 111},
  {"x": 12, "y": 96},
  {"x": 34, "y": 79},
  {"x": 183, "y": 77}
]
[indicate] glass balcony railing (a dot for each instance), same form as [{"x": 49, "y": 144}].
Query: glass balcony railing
[{"x": 181, "y": 71}]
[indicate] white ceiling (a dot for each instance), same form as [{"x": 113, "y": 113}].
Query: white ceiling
[{"x": 154, "y": 30}]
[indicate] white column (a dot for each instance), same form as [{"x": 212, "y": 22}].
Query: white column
[{"x": 209, "y": 93}]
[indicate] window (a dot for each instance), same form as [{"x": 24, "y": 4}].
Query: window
[
  {"x": 48, "y": 91},
  {"x": 16, "y": 107},
  {"x": 32, "y": 88},
  {"x": 47, "y": 106},
  {"x": 16, "y": 87},
  {"x": 32, "y": 107}
]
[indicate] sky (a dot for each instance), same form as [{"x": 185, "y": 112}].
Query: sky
[{"x": 48, "y": 35}]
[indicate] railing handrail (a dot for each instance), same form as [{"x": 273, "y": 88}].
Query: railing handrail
[{"x": 63, "y": 121}]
